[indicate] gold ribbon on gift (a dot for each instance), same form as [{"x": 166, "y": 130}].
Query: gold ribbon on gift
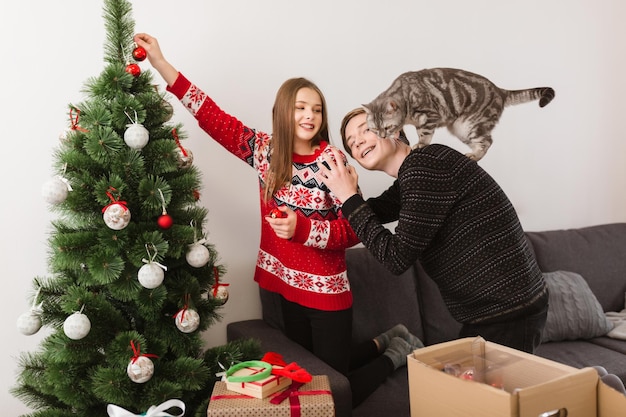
[{"x": 153, "y": 411}]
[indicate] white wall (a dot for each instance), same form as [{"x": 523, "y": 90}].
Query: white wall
[{"x": 562, "y": 166}]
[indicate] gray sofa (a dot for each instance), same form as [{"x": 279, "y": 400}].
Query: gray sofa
[{"x": 597, "y": 253}]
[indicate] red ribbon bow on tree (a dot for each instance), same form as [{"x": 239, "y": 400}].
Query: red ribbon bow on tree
[
  {"x": 74, "y": 120},
  {"x": 177, "y": 140},
  {"x": 215, "y": 287},
  {"x": 184, "y": 309},
  {"x": 137, "y": 352},
  {"x": 114, "y": 200}
]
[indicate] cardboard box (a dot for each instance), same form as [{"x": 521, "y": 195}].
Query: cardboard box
[
  {"x": 524, "y": 385},
  {"x": 611, "y": 403},
  {"x": 258, "y": 389},
  {"x": 313, "y": 399}
]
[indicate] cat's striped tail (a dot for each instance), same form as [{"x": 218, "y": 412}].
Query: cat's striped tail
[{"x": 543, "y": 94}]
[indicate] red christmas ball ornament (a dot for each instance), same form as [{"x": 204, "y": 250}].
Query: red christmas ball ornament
[
  {"x": 165, "y": 221},
  {"x": 133, "y": 69},
  {"x": 277, "y": 214},
  {"x": 139, "y": 54}
]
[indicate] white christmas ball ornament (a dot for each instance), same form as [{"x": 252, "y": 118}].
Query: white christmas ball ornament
[
  {"x": 198, "y": 255},
  {"x": 220, "y": 294},
  {"x": 55, "y": 191},
  {"x": 136, "y": 136},
  {"x": 76, "y": 326},
  {"x": 187, "y": 320},
  {"x": 116, "y": 216},
  {"x": 185, "y": 159},
  {"x": 151, "y": 275},
  {"x": 29, "y": 323},
  {"x": 140, "y": 369}
]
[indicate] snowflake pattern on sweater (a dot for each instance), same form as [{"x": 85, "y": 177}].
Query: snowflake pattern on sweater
[{"x": 310, "y": 268}]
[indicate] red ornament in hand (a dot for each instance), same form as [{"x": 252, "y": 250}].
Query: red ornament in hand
[
  {"x": 165, "y": 221},
  {"x": 277, "y": 214},
  {"x": 133, "y": 69},
  {"x": 139, "y": 54}
]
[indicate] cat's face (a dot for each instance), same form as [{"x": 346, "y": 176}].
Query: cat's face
[{"x": 384, "y": 117}]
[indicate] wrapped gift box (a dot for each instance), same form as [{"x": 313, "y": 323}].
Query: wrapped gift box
[
  {"x": 313, "y": 399},
  {"x": 257, "y": 389}
]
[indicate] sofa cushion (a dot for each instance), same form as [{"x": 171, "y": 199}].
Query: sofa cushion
[
  {"x": 595, "y": 252},
  {"x": 573, "y": 312},
  {"x": 584, "y": 353},
  {"x": 616, "y": 345}
]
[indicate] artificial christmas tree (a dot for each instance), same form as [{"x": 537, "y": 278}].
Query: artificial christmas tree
[{"x": 124, "y": 305}]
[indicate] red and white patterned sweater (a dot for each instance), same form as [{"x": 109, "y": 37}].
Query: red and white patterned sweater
[{"x": 309, "y": 269}]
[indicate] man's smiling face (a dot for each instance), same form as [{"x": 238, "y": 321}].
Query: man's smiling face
[{"x": 366, "y": 147}]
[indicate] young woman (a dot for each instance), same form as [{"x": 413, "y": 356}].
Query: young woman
[
  {"x": 301, "y": 254},
  {"x": 455, "y": 219}
]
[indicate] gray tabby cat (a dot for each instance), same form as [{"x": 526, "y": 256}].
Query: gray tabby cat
[{"x": 469, "y": 105}]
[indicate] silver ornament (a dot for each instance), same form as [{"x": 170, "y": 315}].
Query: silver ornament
[
  {"x": 187, "y": 320},
  {"x": 151, "y": 275},
  {"x": 198, "y": 255},
  {"x": 29, "y": 323},
  {"x": 169, "y": 110},
  {"x": 136, "y": 136},
  {"x": 55, "y": 190},
  {"x": 77, "y": 326}
]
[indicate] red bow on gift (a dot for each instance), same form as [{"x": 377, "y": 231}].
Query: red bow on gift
[
  {"x": 292, "y": 371},
  {"x": 274, "y": 358}
]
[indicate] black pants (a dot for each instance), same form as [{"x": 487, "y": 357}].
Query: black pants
[
  {"x": 328, "y": 335},
  {"x": 522, "y": 334}
]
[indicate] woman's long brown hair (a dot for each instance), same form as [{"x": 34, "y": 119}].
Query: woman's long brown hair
[{"x": 284, "y": 125}]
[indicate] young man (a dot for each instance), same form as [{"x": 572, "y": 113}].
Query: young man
[{"x": 455, "y": 219}]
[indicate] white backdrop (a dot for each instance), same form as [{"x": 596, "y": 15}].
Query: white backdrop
[{"x": 562, "y": 166}]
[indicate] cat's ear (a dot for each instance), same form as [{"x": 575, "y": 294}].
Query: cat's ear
[
  {"x": 392, "y": 106},
  {"x": 366, "y": 108}
]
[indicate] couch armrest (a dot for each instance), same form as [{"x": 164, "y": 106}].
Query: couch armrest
[{"x": 274, "y": 340}]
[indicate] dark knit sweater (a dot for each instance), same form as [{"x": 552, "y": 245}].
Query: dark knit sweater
[
  {"x": 310, "y": 268},
  {"x": 455, "y": 219}
]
